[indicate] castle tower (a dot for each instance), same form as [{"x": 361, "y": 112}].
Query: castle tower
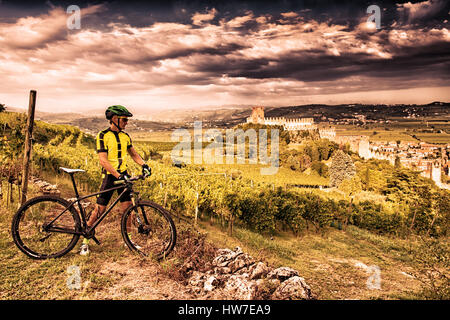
[{"x": 257, "y": 115}]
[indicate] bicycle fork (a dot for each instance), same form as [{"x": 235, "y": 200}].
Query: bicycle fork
[{"x": 143, "y": 225}]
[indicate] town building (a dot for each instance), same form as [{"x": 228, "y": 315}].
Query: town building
[{"x": 429, "y": 159}]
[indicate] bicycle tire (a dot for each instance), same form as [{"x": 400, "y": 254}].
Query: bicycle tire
[
  {"x": 37, "y": 211},
  {"x": 156, "y": 237}
]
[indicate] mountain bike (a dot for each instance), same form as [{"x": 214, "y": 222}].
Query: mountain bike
[{"x": 49, "y": 226}]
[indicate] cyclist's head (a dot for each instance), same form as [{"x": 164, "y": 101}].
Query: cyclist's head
[
  {"x": 120, "y": 112},
  {"x": 117, "y": 110}
]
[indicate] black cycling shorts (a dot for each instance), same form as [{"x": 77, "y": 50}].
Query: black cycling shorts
[{"x": 108, "y": 182}]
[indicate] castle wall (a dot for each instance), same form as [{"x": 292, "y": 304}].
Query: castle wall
[
  {"x": 329, "y": 134},
  {"x": 363, "y": 148},
  {"x": 257, "y": 117}
]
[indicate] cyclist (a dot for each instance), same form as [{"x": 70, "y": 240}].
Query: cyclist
[{"x": 113, "y": 145}]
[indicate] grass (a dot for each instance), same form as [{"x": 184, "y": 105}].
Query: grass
[
  {"x": 329, "y": 261},
  {"x": 24, "y": 278}
]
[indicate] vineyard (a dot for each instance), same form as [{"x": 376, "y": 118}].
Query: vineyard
[
  {"x": 393, "y": 201},
  {"x": 378, "y": 199}
]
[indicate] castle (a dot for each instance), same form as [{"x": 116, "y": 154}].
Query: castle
[{"x": 257, "y": 117}]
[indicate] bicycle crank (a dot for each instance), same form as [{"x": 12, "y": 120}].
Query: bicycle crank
[{"x": 91, "y": 235}]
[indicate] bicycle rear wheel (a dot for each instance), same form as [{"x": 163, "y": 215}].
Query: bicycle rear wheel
[
  {"x": 148, "y": 229},
  {"x": 30, "y": 220}
]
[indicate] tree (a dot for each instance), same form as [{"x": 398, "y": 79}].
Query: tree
[
  {"x": 320, "y": 167},
  {"x": 2, "y": 107},
  {"x": 351, "y": 186},
  {"x": 342, "y": 167},
  {"x": 367, "y": 179},
  {"x": 440, "y": 224}
]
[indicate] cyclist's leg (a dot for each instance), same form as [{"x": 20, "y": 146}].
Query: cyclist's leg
[
  {"x": 96, "y": 213},
  {"x": 102, "y": 198},
  {"x": 125, "y": 202}
]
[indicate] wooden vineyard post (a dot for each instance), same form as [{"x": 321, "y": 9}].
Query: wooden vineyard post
[
  {"x": 27, "y": 153},
  {"x": 230, "y": 225},
  {"x": 196, "y": 205}
]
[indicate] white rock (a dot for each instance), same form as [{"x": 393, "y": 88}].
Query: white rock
[
  {"x": 294, "y": 288},
  {"x": 282, "y": 273}
]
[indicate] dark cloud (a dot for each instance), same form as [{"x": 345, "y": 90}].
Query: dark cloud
[{"x": 225, "y": 50}]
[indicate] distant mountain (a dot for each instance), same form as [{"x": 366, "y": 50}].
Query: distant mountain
[
  {"x": 438, "y": 103},
  {"x": 47, "y": 116},
  {"x": 231, "y": 115}
]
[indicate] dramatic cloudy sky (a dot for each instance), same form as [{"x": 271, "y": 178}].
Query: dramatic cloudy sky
[{"x": 176, "y": 54}]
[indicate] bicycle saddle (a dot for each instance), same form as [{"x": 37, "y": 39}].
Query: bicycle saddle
[{"x": 71, "y": 170}]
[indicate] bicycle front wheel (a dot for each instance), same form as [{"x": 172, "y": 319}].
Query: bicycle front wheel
[
  {"x": 148, "y": 229},
  {"x": 30, "y": 232}
]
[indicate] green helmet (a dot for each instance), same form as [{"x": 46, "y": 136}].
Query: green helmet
[{"x": 117, "y": 110}]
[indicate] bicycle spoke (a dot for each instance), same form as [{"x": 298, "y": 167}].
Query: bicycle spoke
[{"x": 46, "y": 237}]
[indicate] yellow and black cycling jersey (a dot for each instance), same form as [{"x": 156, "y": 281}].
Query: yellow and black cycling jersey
[{"x": 116, "y": 145}]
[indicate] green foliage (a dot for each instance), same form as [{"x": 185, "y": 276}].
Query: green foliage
[
  {"x": 373, "y": 174},
  {"x": 53, "y": 146},
  {"x": 295, "y": 160},
  {"x": 376, "y": 217},
  {"x": 303, "y": 135},
  {"x": 311, "y": 155},
  {"x": 321, "y": 168},
  {"x": 420, "y": 207},
  {"x": 320, "y": 150},
  {"x": 12, "y": 126},
  {"x": 284, "y": 135},
  {"x": 440, "y": 225},
  {"x": 351, "y": 186},
  {"x": 150, "y": 153}
]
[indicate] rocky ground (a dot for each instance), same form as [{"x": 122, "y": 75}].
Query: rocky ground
[{"x": 235, "y": 274}]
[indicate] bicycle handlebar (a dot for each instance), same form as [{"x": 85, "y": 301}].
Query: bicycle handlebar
[{"x": 139, "y": 177}]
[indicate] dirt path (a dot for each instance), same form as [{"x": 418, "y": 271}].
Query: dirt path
[{"x": 139, "y": 281}]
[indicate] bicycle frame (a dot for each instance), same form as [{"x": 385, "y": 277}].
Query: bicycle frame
[{"x": 85, "y": 230}]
